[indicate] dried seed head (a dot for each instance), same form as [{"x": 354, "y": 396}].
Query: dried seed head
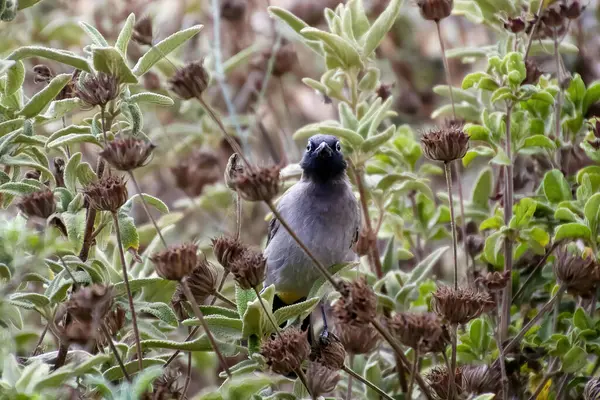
[
  {"x": 233, "y": 10},
  {"x": 435, "y": 10},
  {"x": 384, "y": 91},
  {"x": 260, "y": 184},
  {"x": 494, "y": 281},
  {"x": 481, "y": 379},
  {"x": 233, "y": 170},
  {"x": 91, "y": 303},
  {"x": 127, "y": 154},
  {"x": 97, "y": 89},
  {"x": 358, "y": 302},
  {"x": 446, "y": 144},
  {"x": 202, "y": 281},
  {"x": 38, "y": 204},
  {"x": 165, "y": 387},
  {"x": 592, "y": 389},
  {"x": 459, "y": 306},
  {"x": 552, "y": 17},
  {"x": 329, "y": 351},
  {"x": 227, "y": 250},
  {"x": 142, "y": 31},
  {"x": 192, "y": 174},
  {"x": 572, "y": 10},
  {"x": 43, "y": 74},
  {"x": 515, "y": 25},
  {"x": 190, "y": 81},
  {"x": 422, "y": 331},
  {"x": 249, "y": 269},
  {"x": 107, "y": 194},
  {"x": 176, "y": 262},
  {"x": 579, "y": 272},
  {"x": 438, "y": 379},
  {"x": 321, "y": 379},
  {"x": 80, "y": 332},
  {"x": 285, "y": 352},
  {"x": 475, "y": 244},
  {"x": 357, "y": 337}
]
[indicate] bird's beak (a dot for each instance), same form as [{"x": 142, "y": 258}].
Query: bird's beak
[{"x": 323, "y": 150}]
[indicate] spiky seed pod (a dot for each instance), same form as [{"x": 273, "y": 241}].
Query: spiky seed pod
[
  {"x": 435, "y": 10},
  {"x": 202, "y": 280},
  {"x": 515, "y": 25},
  {"x": 107, "y": 194},
  {"x": 422, "y": 331},
  {"x": 176, "y": 262},
  {"x": 572, "y": 10},
  {"x": 115, "y": 319},
  {"x": 592, "y": 389},
  {"x": 285, "y": 353},
  {"x": 127, "y": 154},
  {"x": 446, "y": 144},
  {"x": 97, "y": 89},
  {"x": 357, "y": 337},
  {"x": 494, "y": 281},
  {"x": 533, "y": 73},
  {"x": 165, "y": 387},
  {"x": 190, "y": 81},
  {"x": 321, "y": 379},
  {"x": 459, "y": 306},
  {"x": 329, "y": 351},
  {"x": 233, "y": 170},
  {"x": 481, "y": 379},
  {"x": 358, "y": 302},
  {"x": 438, "y": 379},
  {"x": 80, "y": 332},
  {"x": 91, "y": 303},
  {"x": 580, "y": 273},
  {"x": 233, "y": 10},
  {"x": 260, "y": 184},
  {"x": 227, "y": 250},
  {"x": 193, "y": 173},
  {"x": 38, "y": 204},
  {"x": 249, "y": 269},
  {"x": 142, "y": 31}
]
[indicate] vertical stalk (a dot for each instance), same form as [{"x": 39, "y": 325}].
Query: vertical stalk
[
  {"x": 349, "y": 391},
  {"x": 501, "y": 355},
  {"x": 451, "y": 371},
  {"x": 448, "y": 171},
  {"x": 413, "y": 373},
  {"x": 200, "y": 316},
  {"x": 188, "y": 376},
  {"x": 136, "y": 332},
  {"x": 146, "y": 209},
  {"x": 508, "y": 245},
  {"x": 446, "y": 66},
  {"x": 558, "y": 105},
  {"x": 362, "y": 379},
  {"x": 115, "y": 351},
  {"x": 463, "y": 220},
  {"x": 454, "y": 333}
]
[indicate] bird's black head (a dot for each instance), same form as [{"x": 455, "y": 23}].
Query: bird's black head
[{"x": 323, "y": 160}]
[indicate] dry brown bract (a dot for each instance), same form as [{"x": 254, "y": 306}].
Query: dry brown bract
[
  {"x": 423, "y": 331},
  {"x": 446, "y": 144},
  {"x": 91, "y": 303},
  {"x": 176, "y": 262},
  {"x": 249, "y": 269},
  {"x": 142, "y": 32},
  {"x": 357, "y": 338},
  {"x": 193, "y": 173},
  {"x": 107, "y": 194},
  {"x": 329, "y": 351},
  {"x": 494, "y": 281},
  {"x": 227, "y": 250},
  {"x": 202, "y": 283},
  {"x": 97, "y": 89},
  {"x": 321, "y": 379},
  {"x": 435, "y": 10},
  {"x": 190, "y": 81},
  {"x": 438, "y": 379},
  {"x": 38, "y": 204},
  {"x": 592, "y": 390},
  {"x": 260, "y": 184},
  {"x": 357, "y": 304},
  {"x": 480, "y": 379},
  {"x": 284, "y": 353},
  {"x": 580, "y": 274},
  {"x": 127, "y": 154},
  {"x": 459, "y": 306}
]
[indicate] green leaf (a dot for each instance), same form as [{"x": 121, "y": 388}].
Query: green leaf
[
  {"x": 115, "y": 373},
  {"x": 482, "y": 190},
  {"x": 571, "y": 231},
  {"x": 41, "y": 99},
  {"x": 301, "y": 310},
  {"x": 242, "y": 298},
  {"x": 374, "y": 142},
  {"x": 592, "y": 95},
  {"x": 14, "y": 78},
  {"x": 523, "y": 212},
  {"x": 581, "y": 320},
  {"x": 152, "y": 98},
  {"x": 160, "y": 310},
  {"x": 73, "y": 138},
  {"x": 381, "y": 27},
  {"x": 110, "y": 61},
  {"x": 543, "y": 96},
  {"x": 345, "y": 134},
  {"x": 591, "y": 212},
  {"x": 137, "y": 284},
  {"x": 62, "y": 56},
  {"x": 10, "y": 126},
  {"x": 37, "y": 299},
  {"x": 223, "y": 328},
  {"x": 288, "y": 18},
  {"x": 129, "y": 234},
  {"x": 574, "y": 360},
  {"x": 564, "y": 214},
  {"x": 576, "y": 90},
  {"x": 125, "y": 35},
  {"x": 151, "y": 200},
  {"x": 339, "y": 46},
  {"x": 163, "y": 48},
  {"x": 71, "y": 172},
  {"x": 555, "y": 187},
  {"x": 18, "y": 188},
  {"x": 93, "y": 33},
  {"x": 538, "y": 141},
  {"x": 479, "y": 151}
]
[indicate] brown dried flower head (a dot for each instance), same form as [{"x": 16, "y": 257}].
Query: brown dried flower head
[
  {"x": 115, "y": 321},
  {"x": 592, "y": 389},
  {"x": 176, "y": 262},
  {"x": 358, "y": 302},
  {"x": 435, "y": 10},
  {"x": 579, "y": 272},
  {"x": 227, "y": 250},
  {"x": 142, "y": 31},
  {"x": 249, "y": 269},
  {"x": 533, "y": 73},
  {"x": 127, "y": 154},
  {"x": 357, "y": 338},
  {"x": 321, "y": 379},
  {"x": 422, "y": 331},
  {"x": 80, "y": 332},
  {"x": 438, "y": 379},
  {"x": 515, "y": 25},
  {"x": 573, "y": 10},
  {"x": 285, "y": 352},
  {"x": 165, "y": 387},
  {"x": 494, "y": 281},
  {"x": 193, "y": 173},
  {"x": 107, "y": 194},
  {"x": 329, "y": 351},
  {"x": 384, "y": 91},
  {"x": 97, "y": 89},
  {"x": 552, "y": 17},
  {"x": 190, "y": 81},
  {"x": 481, "y": 379},
  {"x": 233, "y": 10},
  {"x": 202, "y": 281},
  {"x": 260, "y": 184},
  {"x": 38, "y": 204},
  {"x": 446, "y": 144},
  {"x": 91, "y": 303},
  {"x": 459, "y": 306}
]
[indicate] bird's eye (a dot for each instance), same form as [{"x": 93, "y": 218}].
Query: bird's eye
[
  {"x": 309, "y": 146},
  {"x": 338, "y": 146}
]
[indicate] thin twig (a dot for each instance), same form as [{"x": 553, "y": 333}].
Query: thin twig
[
  {"x": 452, "y": 383},
  {"x": 115, "y": 351},
  {"x": 90, "y": 219},
  {"x": 40, "y": 341},
  {"x": 448, "y": 171},
  {"x": 224, "y": 299},
  {"x": 446, "y": 66},
  {"x": 174, "y": 355},
  {"x": 221, "y": 284},
  {"x": 136, "y": 332},
  {"x": 349, "y": 391},
  {"x": 188, "y": 376},
  {"x": 463, "y": 220},
  {"x": 68, "y": 271},
  {"x": 501, "y": 354},
  {"x": 413, "y": 373},
  {"x": 238, "y": 217},
  {"x": 537, "y": 267},
  {"x": 139, "y": 191},
  {"x": 362, "y": 379},
  {"x": 533, "y": 30}
]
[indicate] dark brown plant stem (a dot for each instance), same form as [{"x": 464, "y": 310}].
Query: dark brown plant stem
[
  {"x": 147, "y": 210},
  {"x": 103, "y": 126},
  {"x": 370, "y": 384},
  {"x": 501, "y": 354},
  {"x": 38, "y": 345},
  {"x": 558, "y": 105},
  {"x": 200, "y": 316},
  {"x": 115, "y": 351},
  {"x": 238, "y": 217},
  {"x": 508, "y": 244},
  {"x": 90, "y": 218},
  {"x": 61, "y": 356},
  {"x": 400, "y": 371},
  {"x": 533, "y": 30},
  {"x": 446, "y": 66},
  {"x": 68, "y": 271},
  {"x": 536, "y": 269},
  {"x": 448, "y": 171},
  {"x": 413, "y": 373},
  {"x": 463, "y": 220},
  {"x": 415, "y": 211},
  {"x": 224, "y": 299},
  {"x": 136, "y": 332},
  {"x": 174, "y": 355},
  {"x": 396, "y": 347},
  {"x": 188, "y": 376},
  {"x": 291, "y": 232},
  {"x": 374, "y": 250},
  {"x": 454, "y": 334},
  {"x": 452, "y": 380},
  {"x": 349, "y": 391}
]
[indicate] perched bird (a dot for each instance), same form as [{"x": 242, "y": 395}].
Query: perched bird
[{"x": 323, "y": 211}]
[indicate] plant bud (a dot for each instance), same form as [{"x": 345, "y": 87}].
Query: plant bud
[
  {"x": 176, "y": 262},
  {"x": 446, "y": 144},
  {"x": 260, "y": 184},
  {"x": 97, "y": 89},
  {"x": 127, "y": 154},
  {"x": 459, "y": 306},
  {"x": 286, "y": 352},
  {"x": 249, "y": 269},
  {"x": 435, "y": 10},
  {"x": 329, "y": 351},
  {"x": 142, "y": 32},
  {"x": 39, "y": 204},
  {"x": 321, "y": 379},
  {"x": 190, "y": 81}
]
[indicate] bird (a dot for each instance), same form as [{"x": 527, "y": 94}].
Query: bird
[{"x": 323, "y": 212}]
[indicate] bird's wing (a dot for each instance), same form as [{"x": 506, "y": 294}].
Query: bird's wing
[{"x": 273, "y": 227}]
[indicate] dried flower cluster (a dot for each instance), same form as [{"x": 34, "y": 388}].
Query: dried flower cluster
[
  {"x": 127, "y": 154},
  {"x": 260, "y": 184},
  {"x": 107, "y": 194},
  {"x": 459, "y": 306},
  {"x": 38, "y": 204},
  {"x": 176, "y": 262},
  {"x": 97, "y": 89},
  {"x": 249, "y": 269},
  {"x": 285, "y": 353},
  {"x": 446, "y": 144},
  {"x": 423, "y": 332},
  {"x": 580, "y": 273},
  {"x": 190, "y": 81},
  {"x": 358, "y": 303}
]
